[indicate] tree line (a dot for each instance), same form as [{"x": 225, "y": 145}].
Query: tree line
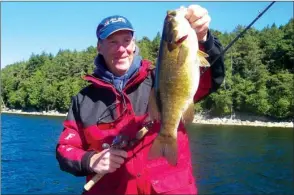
[{"x": 259, "y": 75}]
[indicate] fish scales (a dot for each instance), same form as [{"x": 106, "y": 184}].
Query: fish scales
[{"x": 177, "y": 80}]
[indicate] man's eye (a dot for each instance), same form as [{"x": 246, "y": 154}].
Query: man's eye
[{"x": 112, "y": 42}]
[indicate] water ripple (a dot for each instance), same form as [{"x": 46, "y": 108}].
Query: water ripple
[{"x": 226, "y": 160}]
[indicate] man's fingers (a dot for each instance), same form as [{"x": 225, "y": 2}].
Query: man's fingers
[
  {"x": 201, "y": 23},
  {"x": 108, "y": 166},
  {"x": 195, "y": 12},
  {"x": 114, "y": 165},
  {"x": 188, "y": 14},
  {"x": 117, "y": 152},
  {"x": 203, "y": 28},
  {"x": 116, "y": 159},
  {"x": 190, "y": 11},
  {"x": 109, "y": 160},
  {"x": 111, "y": 169}
]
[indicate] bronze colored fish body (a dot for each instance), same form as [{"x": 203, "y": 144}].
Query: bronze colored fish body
[{"x": 177, "y": 80}]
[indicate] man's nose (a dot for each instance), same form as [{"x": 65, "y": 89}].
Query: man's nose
[{"x": 121, "y": 48}]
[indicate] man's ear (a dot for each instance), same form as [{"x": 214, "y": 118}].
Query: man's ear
[
  {"x": 135, "y": 46},
  {"x": 98, "y": 47}
]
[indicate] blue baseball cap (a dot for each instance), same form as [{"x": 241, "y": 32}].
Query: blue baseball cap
[{"x": 111, "y": 25}]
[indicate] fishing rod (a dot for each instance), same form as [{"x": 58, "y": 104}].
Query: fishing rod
[{"x": 237, "y": 37}]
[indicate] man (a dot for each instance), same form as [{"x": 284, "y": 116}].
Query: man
[{"x": 116, "y": 103}]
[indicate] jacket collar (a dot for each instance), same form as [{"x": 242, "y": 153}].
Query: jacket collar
[
  {"x": 102, "y": 72},
  {"x": 136, "y": 78}
]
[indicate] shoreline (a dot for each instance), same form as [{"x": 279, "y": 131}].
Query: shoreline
[
  {"x": 44, "y": 113},
  {"x": 198, "y": 119},
  {"x": 238, "y": 122}
]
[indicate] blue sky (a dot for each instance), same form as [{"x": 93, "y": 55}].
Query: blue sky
[{"x": 33, "y": 27}]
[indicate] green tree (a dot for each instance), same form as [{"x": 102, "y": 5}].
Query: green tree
[{"x": 259, "y": 75}]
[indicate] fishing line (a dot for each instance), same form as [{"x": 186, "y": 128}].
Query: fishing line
[{"x": 237, "y": 37}]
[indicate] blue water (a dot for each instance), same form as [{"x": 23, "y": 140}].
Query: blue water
[
  {"x": 28, "y": 157},
  {"x": 227, "y": 160}
]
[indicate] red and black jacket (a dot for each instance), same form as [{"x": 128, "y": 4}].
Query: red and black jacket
[{"x": 99, "y": 111}]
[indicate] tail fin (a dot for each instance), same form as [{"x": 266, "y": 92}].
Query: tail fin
[{"x": 166, "y": 147}]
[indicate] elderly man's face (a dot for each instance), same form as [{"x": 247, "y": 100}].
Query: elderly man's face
[{"x": 118, "y": 51}]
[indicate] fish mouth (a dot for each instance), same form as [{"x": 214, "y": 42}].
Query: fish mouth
[{"x": 181, "y": 40}]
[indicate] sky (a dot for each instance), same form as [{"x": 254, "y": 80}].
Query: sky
[{"x": 36, "y": 27}]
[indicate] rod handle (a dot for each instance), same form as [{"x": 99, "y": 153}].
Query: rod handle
[{"x": 93, "y": 181}]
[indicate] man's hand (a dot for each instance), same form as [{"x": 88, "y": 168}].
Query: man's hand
[
  {"x": 199, "y": 20},
  {"x": 107, "y": 161}
]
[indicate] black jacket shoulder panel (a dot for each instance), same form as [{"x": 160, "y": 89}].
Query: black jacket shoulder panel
[{"x": 96, "y": 105}]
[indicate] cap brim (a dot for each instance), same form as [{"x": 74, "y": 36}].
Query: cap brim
[{"x": 106, "y": 34}]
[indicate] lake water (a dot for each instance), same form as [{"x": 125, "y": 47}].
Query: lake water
[{"x": 227, "y": 159}]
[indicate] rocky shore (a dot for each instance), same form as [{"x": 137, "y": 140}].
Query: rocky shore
[
  {"x": 44, "y": 113},
  {"x": 242, "y": 121},
  {"x": 239, "y": 120}
]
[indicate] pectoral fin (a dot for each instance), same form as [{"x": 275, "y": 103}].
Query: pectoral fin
[
  {"x": 153, "y": 108},
  {"x": 203, "y": 61}
]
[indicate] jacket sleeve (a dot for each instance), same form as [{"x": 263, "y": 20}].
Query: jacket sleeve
[
  {"x": 71, "y": 151},
  {"x": 213, "y": 77}
]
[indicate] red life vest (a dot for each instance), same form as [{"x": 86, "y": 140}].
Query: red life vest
[{"x": 138, "y": 175}]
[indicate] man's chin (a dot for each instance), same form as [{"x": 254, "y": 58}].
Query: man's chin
[{"x": 122, "y": 68}]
